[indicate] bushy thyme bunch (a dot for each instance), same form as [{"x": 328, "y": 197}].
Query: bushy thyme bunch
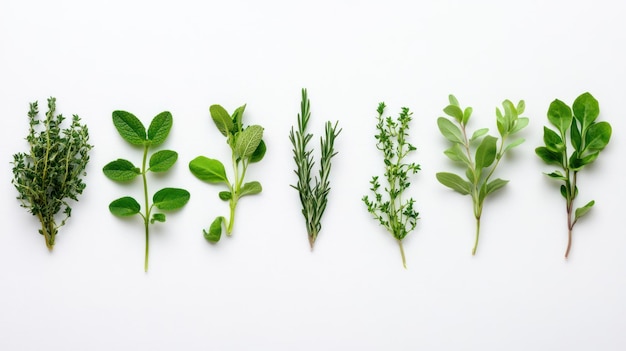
[
  {"x": 50, "y": 173},
  {"x": 395, "y": 214},
  {"x": 313, "y": 198}
]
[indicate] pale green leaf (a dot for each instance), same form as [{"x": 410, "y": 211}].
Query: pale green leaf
[
  {"x": 454, "y": 182},
  {"x": 208, "y": 170}
]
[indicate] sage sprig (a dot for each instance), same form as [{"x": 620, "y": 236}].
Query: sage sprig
[
  {"x": 586, "y": 137},
  {"x": 392, "y": 212},
  {"x": 133, "y": 131},
  {"x": 51, "y": 172},
  {"x": 480, "y": 153},
  {"x": 313, "y": 198},
  {"x": 247, "y": 146}
]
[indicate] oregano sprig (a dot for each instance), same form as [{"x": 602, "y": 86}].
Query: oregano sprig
[
  {"x": 480, "y": 153},
  {"x": 247, "y": 146},
  {"x": 392, "y": 212},
  {"x": 51, "y": 172},
  {"x": 121, "y": 170},
  {"x": 313, "y": 198},
  {"x": 585, "y": 136}
]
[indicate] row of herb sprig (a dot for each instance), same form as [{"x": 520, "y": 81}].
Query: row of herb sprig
[{"x": 51, "y": 172}]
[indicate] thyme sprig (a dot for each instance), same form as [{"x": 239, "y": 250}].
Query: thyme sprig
[
  {"x": 313, "y": 198},
  {"x": 397, "y": 216},
  {"x": 50, "y": 173}
]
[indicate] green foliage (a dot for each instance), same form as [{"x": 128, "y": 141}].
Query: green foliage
[
  {"x": 585, "y": 136},
  {"x": 480, "y": 154},
  {"x": 312, "y": 197},
  {"x": 392, "y": 212},
  {"x": 51, "y": 172},
  {"x": 167, "y": 199},
  {"x": 247, "y": 147}
]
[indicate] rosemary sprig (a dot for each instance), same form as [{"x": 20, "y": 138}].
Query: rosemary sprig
[
  {"x": 50, "y": 173},
  {"x": 313, "y": 198}
]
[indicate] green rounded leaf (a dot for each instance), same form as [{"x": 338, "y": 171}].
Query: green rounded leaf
[
  {"x": 121, "y": 170},
  {"x": 162, "y": 160},
  {"x": 455, "y": 153},
  {"x": 129, "y": 127},
  {"x": 222, "y": 119},
  {"x": 552, "y": 140},
  {"x": 495, "y": 185},
  {"x": 583, "y": 210},
  {"x": 449, "y": 130},
  {"x": 586, "y": 109},
  {"x": 454, "y": 111},
  {"x": 598, "y": 136},
  {"x": 454, "y": 182},
  {"x": 248, "y": 140},
  {"x": 225, "y": 195},
  {"x": 478, "y": 133},
  {"x": 124, "y": 207},
  {"x": 160, "y": 128},
  {"x": 258, "y": 154},
  {"x": 513, "y": 144},
  {"x": 486, "y": 152},
  {"x": 549, "y": 157},
  {"x": 575, "y": 136},
  {"x": 170, "y": 198},
  {"x": 215, "y": 230},
  {"x": 208, "y": 170},
  {"x": 519, "y": 124},
  {"x": 238, "y": 117},
  {"x": 158, "y": 217},
  {"x": 251, "y": 188},
  {"x": 560, "y": 115}
]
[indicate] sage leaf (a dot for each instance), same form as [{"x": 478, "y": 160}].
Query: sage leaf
[
  {"x": 238, "y": 117},
  {"x": 160, "y": 128},
  {"x": 121, "y": 170},
  {"x": 486, "y": 152},
  {"x": 552, "y": 140},
  {"x": 251, "y": 188},
  {"x": 248, "y": 141},
  {"x": 124, "y": 207},
  {"x": 162, "y": 160},
  {"x": 514, "y": 143},
  {"x": 208, "y": 170},
  {"x": 130, "y": 127},
  {"x": 258, "y": 154},
  {"x": 455, "y": 153},
  {"x": 549, "y": 157},
  {"x": 222, "y": 119},
  {"x": 495, "y": 185},
  {"x": 449, "y": 130},
  {"x": 478, "y": 133},
  {"x": 454, "y": 111},
  {"x": 170, "y": 198},
  {"x": 454, "y": 182}
]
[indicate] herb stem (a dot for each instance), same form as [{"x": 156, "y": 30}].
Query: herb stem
[
  {"x": 146, "y": 218},
  {"x": 402, "y": 253},
  {"x": 477, "y": 236}
]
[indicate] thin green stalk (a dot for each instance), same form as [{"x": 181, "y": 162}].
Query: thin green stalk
[
  {"x": 477, "y": 236},
  {"x": 146, "y": 218},
  {"x": 402, "y": 253}
]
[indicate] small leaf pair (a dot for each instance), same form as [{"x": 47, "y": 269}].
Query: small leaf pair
[
  {"x": 580, "y": 131},
  {"x": 121, "y": 170},
  {"x": 247, "y": 146},
  {"x": 479, "y": 154}
]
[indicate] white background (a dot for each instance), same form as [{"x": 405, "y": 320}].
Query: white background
[{"x": 263, "y": 288}]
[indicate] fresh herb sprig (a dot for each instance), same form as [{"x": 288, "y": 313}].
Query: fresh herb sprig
[
  {"x": 133, "y": 131},
  {"x": 247, "y": 146},
  {"x": 586, "y": 137},
  {"x": 313, "y": 198},
  {"x": 50, "y": 172},
  {"x": 481, "y": 163},
  {"x": 397, "y": 216}
]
